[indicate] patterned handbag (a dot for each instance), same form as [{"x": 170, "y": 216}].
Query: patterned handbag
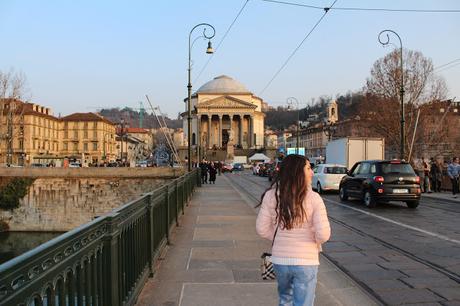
[{"x": 266, "y": 268}]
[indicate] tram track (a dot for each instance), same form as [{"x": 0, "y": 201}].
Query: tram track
[{"x": 430, "y": 265}]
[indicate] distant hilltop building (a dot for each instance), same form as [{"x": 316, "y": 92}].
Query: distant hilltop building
[{"x": 226, "y": 117}]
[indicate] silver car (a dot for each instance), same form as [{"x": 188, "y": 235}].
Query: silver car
[{"x": 327, "y": 177}]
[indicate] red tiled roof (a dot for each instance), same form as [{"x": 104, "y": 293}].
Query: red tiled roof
[
  {"x": 24, "y": 108},
  {"x": 86, "y": 117}
]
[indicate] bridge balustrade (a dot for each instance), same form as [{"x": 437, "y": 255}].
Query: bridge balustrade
[{"x": 105, "y": 262}]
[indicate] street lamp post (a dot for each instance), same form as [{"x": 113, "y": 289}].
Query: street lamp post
[
  {"x": 209, "y": 50},
  {"x": 401, "y": 88},
  {"x": 291, "y": 101}
]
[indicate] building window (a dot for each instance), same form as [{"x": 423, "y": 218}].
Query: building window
[
  {"x": 85, "y": 134},
  {"x": 66, "y": 147},
  {"x": 85, "y": 147},
  {"x": 95, "y": 134},
  {"x": 75, "y": 146},
  {"x": 66, "y": 134},
  {"x": 94, "y": 146},
  {"x": 75, "y": 134}
]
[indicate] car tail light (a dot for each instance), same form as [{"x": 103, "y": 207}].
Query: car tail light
[
  {"x": 379, "y": 179},
  {"x": 395, "y": 161},
  {"x": 380, "y": 190},
  {"x": 277, "y": 169},
  {"x": 419, "y": 190},
  {"x": 417, "y": 179}
]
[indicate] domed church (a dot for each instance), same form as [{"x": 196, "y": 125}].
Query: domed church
[{"x": 226, "y": 116}]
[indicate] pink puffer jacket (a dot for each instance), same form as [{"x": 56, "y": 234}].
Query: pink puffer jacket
[{"x": 303, "y": 243}]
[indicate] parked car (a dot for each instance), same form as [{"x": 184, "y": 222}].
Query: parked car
[
  {"x": 38, "y": 165},
  {"x": 327, "y": 177},
  {"x": 238, "y": 167},
  {"x": 381, "y": 180},
  {"x": 74, "y": 165},
  {"x": 227, "y": 168},
  {"x": 142, "y": 164}
]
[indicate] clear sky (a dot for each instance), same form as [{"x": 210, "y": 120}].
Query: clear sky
[{"x": 80, "y": 55}]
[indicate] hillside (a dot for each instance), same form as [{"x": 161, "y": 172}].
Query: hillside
[{"x": 133, "y": 118}]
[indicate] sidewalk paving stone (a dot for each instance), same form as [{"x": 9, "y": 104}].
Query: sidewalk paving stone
[{"x": 214, "y": 259}]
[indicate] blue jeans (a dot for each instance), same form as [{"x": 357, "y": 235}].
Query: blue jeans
[{"x": 296, "y": 284}]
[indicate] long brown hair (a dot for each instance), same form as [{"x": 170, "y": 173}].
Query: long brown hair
[{"x": 290, "y": 191}]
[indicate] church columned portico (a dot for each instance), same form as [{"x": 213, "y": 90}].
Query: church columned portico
[
  {"x": 217, "y": 130},
  {"x": 226, "y": 116}
]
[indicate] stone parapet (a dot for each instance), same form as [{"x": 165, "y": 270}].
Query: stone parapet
[{"x": 109, "y": 172}]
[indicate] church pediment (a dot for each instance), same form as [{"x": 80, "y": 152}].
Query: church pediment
[{"x": 226, "y": 102}]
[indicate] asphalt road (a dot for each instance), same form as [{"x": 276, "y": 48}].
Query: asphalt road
[{"x": 399, "y": 255}]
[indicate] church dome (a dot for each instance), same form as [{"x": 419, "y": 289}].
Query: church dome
[{"x": 223, "y": 84}]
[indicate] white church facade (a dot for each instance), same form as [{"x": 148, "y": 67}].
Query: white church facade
[{"x": 226, "y": 116}]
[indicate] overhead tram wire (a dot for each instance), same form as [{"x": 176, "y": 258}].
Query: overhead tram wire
[
  {"x": 326, "y": 10},
  {"x": 222, "y": 40},
  {"x": 448, "y": 65},
  {"x": 363, "y": 8}
]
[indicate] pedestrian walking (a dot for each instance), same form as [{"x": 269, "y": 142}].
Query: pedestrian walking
[
  {"x": 204, "y": 171},
  {"x": 435, "y": 175},
  {"x": 219, "y": 167},
  {"x": 294, "y": 217},
  {"x": 212, "y": 173},
  {"x": 453, "y": 170},
  {"x": 418, "y": 167},
  {"x": 426, "y": 173}
]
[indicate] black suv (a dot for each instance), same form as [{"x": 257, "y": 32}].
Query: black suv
[{"x": 381, "y": 180}]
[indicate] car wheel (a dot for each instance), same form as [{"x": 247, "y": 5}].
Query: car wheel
[
  {"x": 412, "y": 204},
  {"x": 368, "y": 199},
  {"x": 343, "y": 195},
  {"x": 318, "y": 188}
]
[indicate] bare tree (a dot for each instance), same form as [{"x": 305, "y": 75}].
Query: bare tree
[
  {"x": 12, "y": 91},
  {"x": 382, "y": 106}
]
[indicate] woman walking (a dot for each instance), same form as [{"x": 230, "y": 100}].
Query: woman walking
[
  {"x": 212, "y": 173},
  {"x": 294, "y": 217}
]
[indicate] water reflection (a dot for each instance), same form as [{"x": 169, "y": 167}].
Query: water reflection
[{"x": 13, "y": 244}]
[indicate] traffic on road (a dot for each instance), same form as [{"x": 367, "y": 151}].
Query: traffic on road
[{"x": 385, "y": 240}]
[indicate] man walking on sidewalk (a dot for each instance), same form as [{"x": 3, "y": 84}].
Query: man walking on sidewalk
[{"x": 453, "y": 170}]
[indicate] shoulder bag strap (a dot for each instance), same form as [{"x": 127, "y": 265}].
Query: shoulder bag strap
[{"x": 276, "y": 231}]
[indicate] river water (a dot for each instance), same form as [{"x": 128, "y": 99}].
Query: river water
[
  {"x": 13, "y": 244},
  {"x": 56, "y": 205}
]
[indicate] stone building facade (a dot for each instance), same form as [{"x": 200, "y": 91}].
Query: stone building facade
[
  {"x": 89, "y": 137},
  {"x": 30, "y": 133},
  {"x": 226, "y": 116}
]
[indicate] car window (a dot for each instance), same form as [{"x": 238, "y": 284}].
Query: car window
[
  {"x": 397, "y": 168},
  {"x": 335, "y": 170},
  {"x": 365, "y": 168},
  {"x": 357, "y": 169},
  {"x": 373, "y": 169}
]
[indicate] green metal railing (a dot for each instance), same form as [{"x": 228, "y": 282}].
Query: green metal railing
[{"x": 104, "y": 262}]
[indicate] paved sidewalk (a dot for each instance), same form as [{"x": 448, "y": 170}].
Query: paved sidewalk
[
  {"x": 214, "y": 259},
  {"x": 444, "y": 195}
]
